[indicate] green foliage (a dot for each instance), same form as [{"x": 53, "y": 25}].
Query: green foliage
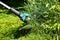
[
  {"x": 44, "y": 20},
  {"x": 44, "y": 15}
]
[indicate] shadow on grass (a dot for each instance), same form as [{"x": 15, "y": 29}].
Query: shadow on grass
[{"x": 20, "y": 33}]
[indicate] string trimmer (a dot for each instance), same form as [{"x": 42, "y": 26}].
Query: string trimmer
[{"x": 24, "y": 17}]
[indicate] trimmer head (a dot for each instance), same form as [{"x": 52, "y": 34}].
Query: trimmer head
[{"x": 25, "y": 17}]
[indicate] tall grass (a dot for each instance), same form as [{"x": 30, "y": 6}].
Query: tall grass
[{"x": 43, "y": 21}]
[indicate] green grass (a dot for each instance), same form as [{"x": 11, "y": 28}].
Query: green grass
[
  {"x": 44, "y": 22},
  {"x": 8, "y": 23}
]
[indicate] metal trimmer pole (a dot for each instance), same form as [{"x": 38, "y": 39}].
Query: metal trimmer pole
[
  {"x": 11, "y": 9},
  {"x": 24, "y": 17}
]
